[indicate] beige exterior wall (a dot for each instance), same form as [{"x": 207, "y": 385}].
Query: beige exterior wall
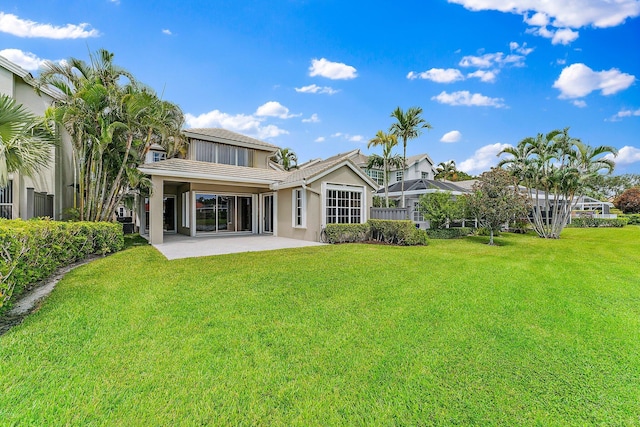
[
  {"x": 314, "y": 202},
  {"x": 57, "y": 178}
]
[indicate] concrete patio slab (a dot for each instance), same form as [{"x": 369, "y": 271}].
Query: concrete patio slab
[{"x": 177, "y": 246}]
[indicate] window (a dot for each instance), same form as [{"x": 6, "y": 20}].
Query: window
[
  {"x": 344, "y": 205},
  {"x": 399, "y": 175},
  {"x": 186, "y": 212},
  {"x": 6, "y": 201},
  {"x": 158, "y": 155},
  {"x": 376, "y": 175},
  {"x": 298, "y": 203},
  {"x": 425, "y": 175},
  {"x": 417, "y": 215},
  {"x": 214, "y": 152}
]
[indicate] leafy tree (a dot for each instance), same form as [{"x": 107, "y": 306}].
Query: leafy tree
[
  {"x": 447, "y": 170},
  {"x": 496, "y": 200},
  {"x": 387, "y": 161},
  {"x": 408, "y": 126},
  {"x": 25, "y": 141},
  {"x": 604, "y": 187},
  {"x": 555, "y": 169},
  {"x": 113, "y": 121},
  {"x": 287, "y": 158},
  {"x": 441, "y": 208},
  {"x": 629, "y": 201}
]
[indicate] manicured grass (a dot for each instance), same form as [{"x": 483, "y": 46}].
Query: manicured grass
[{"x": 531, "y": 332}]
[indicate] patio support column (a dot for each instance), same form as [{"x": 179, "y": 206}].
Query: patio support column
[{"x": 155, "y": 211}]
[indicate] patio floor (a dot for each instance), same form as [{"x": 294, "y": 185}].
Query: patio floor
[{"x": 176, "y": 246}]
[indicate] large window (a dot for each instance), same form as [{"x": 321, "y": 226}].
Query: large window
[
  {"x": 344, "y": 205},
  {"x": 214, "y": 152},
  {"x": 6, "y": 201},
  {"x": 299, "y": 209},
  {"x": 417, "y": 215},
  {"x": 376, "y": 175},
  {"x": 221, "y": 213}
]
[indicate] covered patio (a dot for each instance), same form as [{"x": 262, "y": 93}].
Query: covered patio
[{"x": 177, "y": 246}]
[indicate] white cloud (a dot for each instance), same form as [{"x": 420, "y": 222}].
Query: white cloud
[
  {"x": 438, "y": 75},
  {"x": 317, "y": 89},
  {"x": 319, "y": 139},
  {"x": 578, "y": 80},
  {"x": 489, "y": 60},
  {"x": 523, "y": 49},
  {"x": 26, "y": 60},
  {"x": 485, "y": 76},
  {"x": 332, "y": 70},
  {"x": 466, "y": 98},
  {"x": 274, "y": 109},
  {"x": 336, "y": 135},
  {"x": 243, "y": 123},
  {"x": 626, "y": 155},
  {"x": 564, "y": 36},
  {"x": 313, "y": 119},
  {"x": 348, "y": 137},
  {"x": 579, "y": 103},
  {"x": 453, "y": 136},
  {"x": 625, "y": 113},
  {"x": 356, "y": 138},
  {"x": 167, "y": 32},
  {"x": 19, "y": 27},
  {"x": 562, "y": 14},
  {"x": 483, "y": 158}
]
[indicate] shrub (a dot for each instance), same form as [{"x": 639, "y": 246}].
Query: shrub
[
  {"x": 31, "y": 250},
  {"x": 347, "y": 233},
  {"x": 629, "y": 201},
  {"x": 632, "y": 219},
  {"x": 448, "y": 233},
  {"x": 598, "y": 222},
  {"x": 402, "y": 232}
]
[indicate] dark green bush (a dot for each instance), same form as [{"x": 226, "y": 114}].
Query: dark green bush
[
  {"x": 31, "y": 250},
  {"x": 347, "y": 233},
  {"x": 395, "y": 232},
  {"x": 598, "y": 222},
  {"x": 632, "y": 219},
  {"x": 448, "y": 233}
]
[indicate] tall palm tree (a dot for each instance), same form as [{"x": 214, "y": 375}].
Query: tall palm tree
[
  {"x": 447, "y": 170},
  {"x": 25, "y": 141},
  {"x": 408, "y": 126},
  {"x": 387, "y": 141},
  {"x": 287, "y": 158}
]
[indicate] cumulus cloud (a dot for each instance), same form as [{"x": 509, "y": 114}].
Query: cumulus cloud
[
  {"x": 453, "y": 136},
  {"x": 579, "y": 103},
  {"x": 578, "y": 80},
  {"x": 356, "y": 138},
  {"x": 561, "y": 15},
  {"x": 19, "y": 27},
  {"x": 167, "y": 31},
  {"x": 332, "y": 70},
  {"x": 317, "y": 89},
  {"x": 468, "y": 99},
  {"x": 491, "y": 60},
  {"x": 438, "y": 75},
  {"x": 313, "y": 119},
  {"x": 484, "y": 76},
  {"x": 243, "y": 123},
  {"x": 483, "y": 158},
  {"x": 319, "y": 139},
  {"x": 626, "y": 155},
  {"x": 26, "y": 60},
  {"x": 625, "y": 113},
  {"x": 274, "y": 109},
  {"x": 348, "y": 137}
]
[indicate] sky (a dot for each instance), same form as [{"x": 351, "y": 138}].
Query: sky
[{"x": 323, "y": 76}]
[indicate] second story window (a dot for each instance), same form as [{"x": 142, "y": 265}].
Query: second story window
[
  {"x": 399, "y": 175},
  {"x": 213, "y": 152}
]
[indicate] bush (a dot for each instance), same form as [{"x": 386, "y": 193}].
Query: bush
[
  {"x": 632, "y": 219},
  {"x": 484, "y": 231},
  {"x": 629, "y": 201},
  {"x": 598, "y": 222},
  {"x": 347, "y": 233},
  {"x": 402, "y": 232},
  {"x": 31, "y": 250},
  {"x": 448, "y": 233}
]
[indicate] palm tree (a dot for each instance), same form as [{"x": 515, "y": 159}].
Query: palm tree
[
  {"x": 408, "y": 126},
  {"x": 287, "y": 158},
  {"x": 25, "y": 141},
  {"x": 387, "y": 160},
  {"x": 447, "y": 171}
]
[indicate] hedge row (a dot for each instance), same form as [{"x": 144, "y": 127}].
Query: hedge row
[
  {"x": 598, "y": 222},
  {"x": 31, "y": 250},
  {"x": 449, "y": 233},
  {"x": 632, "y": 219},
  {"x": 402, "y": 233}
]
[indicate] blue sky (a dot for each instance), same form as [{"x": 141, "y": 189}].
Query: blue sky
[{"x": 322, "y": 77}]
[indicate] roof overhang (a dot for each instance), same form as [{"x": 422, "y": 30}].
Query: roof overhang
[{"x": 346, "y": 162}]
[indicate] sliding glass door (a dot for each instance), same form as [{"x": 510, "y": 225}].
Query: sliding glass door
[{"x": 223, "y": 214}]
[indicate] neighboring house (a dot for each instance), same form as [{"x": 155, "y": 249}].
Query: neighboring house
[
  {"x": 52, "y": 191},
  {"x": 227, "y": 185}
]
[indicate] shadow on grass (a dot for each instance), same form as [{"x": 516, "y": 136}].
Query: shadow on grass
[
  {"x": 132, "y": 240},
  {"x": 497, "y": 240}
]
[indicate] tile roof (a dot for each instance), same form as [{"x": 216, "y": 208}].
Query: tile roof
[
  {"x": 314, "y": 169},
  {"x": 227, "y": 135},
  {"x": 216, "y": 171}
]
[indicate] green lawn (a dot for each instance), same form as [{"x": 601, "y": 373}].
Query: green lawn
[{"x": 531, "y": 332}]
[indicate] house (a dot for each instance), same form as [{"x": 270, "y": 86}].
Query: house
[
  {"x": 419, "y": 166},
  {"x": 52, "y": 191},
  {"x": 227, "y": 185}
]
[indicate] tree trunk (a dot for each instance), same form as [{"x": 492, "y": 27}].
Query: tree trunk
[{"x": 404, "y": 165}]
